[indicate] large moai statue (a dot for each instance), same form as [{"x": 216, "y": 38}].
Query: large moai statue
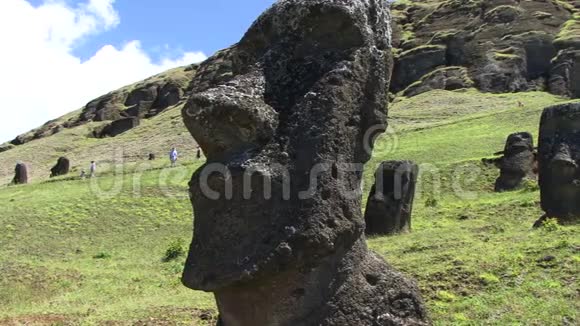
[
  {"x": 20, "y": 174},
  {"x": 62, "y": 167},
  {"x": 390, "y": 202},
  {"x": 282, "y": 118},
  {"x": 559, "y": 158},
  {"x": 517, "y": 163}
]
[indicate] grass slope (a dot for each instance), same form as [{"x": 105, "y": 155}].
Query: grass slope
[{"x": 90, "y": 252}]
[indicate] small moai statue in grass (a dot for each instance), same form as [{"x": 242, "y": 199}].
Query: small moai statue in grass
[
  {"x": 20, "y": 174},
  {"x": 390, "y": 203},
  {"x": 62, "y": 167},
  {"x": 519, "y": 162},
  {"x": 559, "y": 159}
]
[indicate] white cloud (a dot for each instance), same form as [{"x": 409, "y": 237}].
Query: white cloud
[{"x": 41, "y": 79}]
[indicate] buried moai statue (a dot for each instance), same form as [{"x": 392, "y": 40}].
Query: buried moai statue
[
  {"x": 20, "y": 174},
  {"x": 282, "y": 118},
  {"x": 517, "y": 163},
  {"x": 62, "y": 167},
  {"x": 390, "y": 201},
  {"x": 559, "y": 159}
]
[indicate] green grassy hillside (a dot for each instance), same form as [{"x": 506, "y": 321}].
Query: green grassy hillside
[{"x": 94, "y": 251}]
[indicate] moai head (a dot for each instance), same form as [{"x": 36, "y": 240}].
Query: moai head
[
  {"x": 278, "y": 115},
  {"x": 517, "y": 163},
  {"x": 390, "y": 202},
  {"x": 62, "y": 167},
  {"x": 559, "y": 159},
  {"x": 20, "y": 174},
  {"x": 518, "y": 142}
]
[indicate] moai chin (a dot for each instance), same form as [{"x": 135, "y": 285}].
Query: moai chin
[
  {"x": 282, "y": 118},
  {"x": 390, "y": 203},
  {"x": 559, "y": 159}
]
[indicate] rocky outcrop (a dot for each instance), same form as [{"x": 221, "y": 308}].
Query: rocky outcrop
[
  {"x": 449, "y": 78},
  {"x": 285, "y": 119},
  {"x": 62, "y": 167},
  {"x": 558, "y": 156},
  {"x": 118, "y": 127},
  {"x": 6, "y": 147},
  {"x": 143, "y": 100},
  {"x": 390, "y": 203},
  {"x": 20, "y": 174},
  {"x": 505, "y": 45},
  {"x": 565, "y": 74},
  {"x": 411, "y": 65}
]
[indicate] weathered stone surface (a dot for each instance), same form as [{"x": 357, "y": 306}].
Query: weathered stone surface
[
  {"x": 118, "y": 127},
  {"x": 559, "y": 156},
  {"x": 140, "y": 101},
  {"x": 411, "y": 65},
  {"x": 20, "y": 174},
  {"x": 296, "y": 95},
  {"x": 62, "y": 167},
  {"x": 449, "y": 78},
  {"x": 506, "y": 45},
  {"x": 565, "y": 74},
  {"x": 390, "y": 203},
  {"x": 6, "y": 147},
  {"x": 517, "y": 163}
]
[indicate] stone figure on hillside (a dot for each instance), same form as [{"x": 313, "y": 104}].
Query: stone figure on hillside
[
  {"x": 20, "y": 174},
  {"x": 390, "y": 202},
  {"x": 286, "y": 119},
  {"x": 62, "y": 167},
  {"x": 559, "y": 159},
  {"x": 518, "y": 162}
]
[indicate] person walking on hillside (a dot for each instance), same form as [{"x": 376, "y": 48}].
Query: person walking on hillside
[
  {"x": 173, "y": 157},
  {"x": 93, "y": 169}
]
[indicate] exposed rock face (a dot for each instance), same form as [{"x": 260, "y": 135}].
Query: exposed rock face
[
  {"x": 506, "y": 45},
  {"x": 565, "y": 74},
  {"x": 295, "y": 96},
  {"x": 390, "y": 202},
  {"x": 118, "y": 127},
  {"x": 143, "y": 100},
  {"x": 449, "y": 78},
  {"x": 415, "y": 63},
  {"x": 517, "y": 163},
  {"x": 62, "y": 167},
  {"x": 559, "y": 156},
  {"x": 20, "y": 174},
  {"x": 6, "y": 147}
]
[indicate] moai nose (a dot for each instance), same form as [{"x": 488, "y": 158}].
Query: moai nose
[{"x": 563, "y": 157}]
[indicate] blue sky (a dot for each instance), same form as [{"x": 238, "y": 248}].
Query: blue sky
[
  {"x": 63, "y": 53},
  {"x": 179, "y": 25}
]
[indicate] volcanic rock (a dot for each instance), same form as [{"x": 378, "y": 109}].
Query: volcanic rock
[
  {"x": 282, "y": 117},
  {"x": 390, "y": 203}
]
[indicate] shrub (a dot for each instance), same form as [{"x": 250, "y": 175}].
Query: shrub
[
  {"x": 175, "y": 250},
  {"x": 431, "y": 202},
  {"x": 488, "y": 279},
  {"x": 551, "y": 225},
  {"x": 102, "y": 255}
]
